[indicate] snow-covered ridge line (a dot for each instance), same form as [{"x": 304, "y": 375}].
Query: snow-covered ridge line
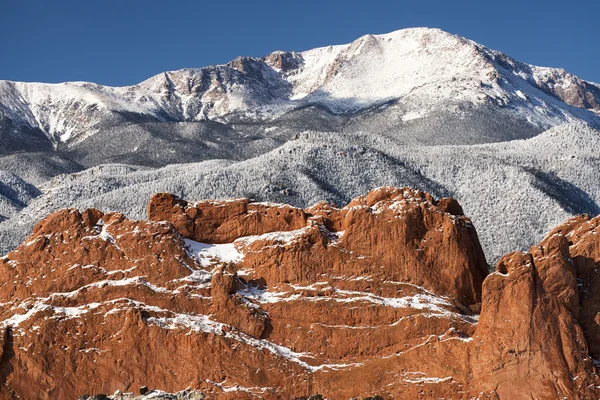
[{"x": 424, "y": 68}]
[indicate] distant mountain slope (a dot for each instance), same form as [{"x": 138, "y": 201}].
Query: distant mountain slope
[
  {"x": 516, "y": 144},
  {"x": 15, "y": 193},
  {"x": 514, "y": 191},
  {"x": 424, "y": 71}
]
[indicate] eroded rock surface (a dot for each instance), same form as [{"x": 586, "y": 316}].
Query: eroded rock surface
[
  {"x": 391, "y": 234},
  {"x": 389, "y": 295}
]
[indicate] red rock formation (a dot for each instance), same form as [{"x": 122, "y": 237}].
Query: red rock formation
[
  {"x": 377, "y": 298},
  {"x": 233, "y": 309},
  {"x": 224, "y": 221},
  {"x": 530, "y": 306},
  {"x": 394, "y": 234},
  {"x": 583, "y": 236}
]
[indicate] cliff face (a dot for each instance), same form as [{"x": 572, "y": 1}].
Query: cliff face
[
  {"x": 389, "y": 295},
  {"x": 390, "y": 234}
]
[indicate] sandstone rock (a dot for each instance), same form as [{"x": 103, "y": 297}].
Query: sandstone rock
[
  {"x": 583, "y": 237},
  {"x": 528, "y": 340},
  {"x": 224, "y": 221},
  {"x": 400, "y": 231},
  {"x": 378, "y": 298},
  {"x": 231, "y": 308}
]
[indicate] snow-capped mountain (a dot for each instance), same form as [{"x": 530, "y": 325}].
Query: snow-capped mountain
[
  {"x": 424, "y": 71},
  {"x": 340, "y": 180},
  {"x": 328, "y": 123}
]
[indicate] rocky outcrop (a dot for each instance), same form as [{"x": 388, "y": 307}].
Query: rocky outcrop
[
  {"x": 394, "y": 234},
  {"x": 224, "y": 221},
  {"x": 583, "y": 239},
  {"x": 388, "y": 296},
  {"x": 233, "y": 309},
  {"x": 95, "y": 302},
  {"x": 528, "y": 338}
]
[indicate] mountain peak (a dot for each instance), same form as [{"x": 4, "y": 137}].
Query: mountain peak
[{"x": 426, "y": 70}]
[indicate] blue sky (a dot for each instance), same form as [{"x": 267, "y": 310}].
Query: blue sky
[{"x": 124, "y": 42}]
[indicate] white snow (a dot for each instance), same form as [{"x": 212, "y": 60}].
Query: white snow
[
  {"x": 69, "y": 312},
  {"x": 235, "y": 388},
  {"x": 422, "y": 378},
  {"x": 425, "y": 68},
  {"x": 282, "y": 237},
  {"x": 435, "y": 305},
  {"x": 206, "y": 253},
  {"x": 417, "y": 301},
  {"x": 412, "y": 115}
]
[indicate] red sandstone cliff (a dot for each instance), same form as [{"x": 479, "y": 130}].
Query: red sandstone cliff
[{"x": 386, "y": 296}]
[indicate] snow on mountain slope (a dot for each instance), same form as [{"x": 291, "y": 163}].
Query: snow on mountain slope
[
  {"x": 407, "y": 64},
  {"x": 381, "y": 110},
  {"x": 15, "y": 193},
  {"x": 427, "y": 70},
  {"x": 514, "y": 191}
]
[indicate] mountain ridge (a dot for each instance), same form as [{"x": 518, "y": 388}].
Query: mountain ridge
[
  {"x": 422, "y": 67},
  {"x": 515, "y": 190},
  {"x": 301, "y": 149}
]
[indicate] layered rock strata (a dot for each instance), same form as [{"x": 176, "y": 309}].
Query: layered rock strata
[{"x": 389, "y": 295}]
